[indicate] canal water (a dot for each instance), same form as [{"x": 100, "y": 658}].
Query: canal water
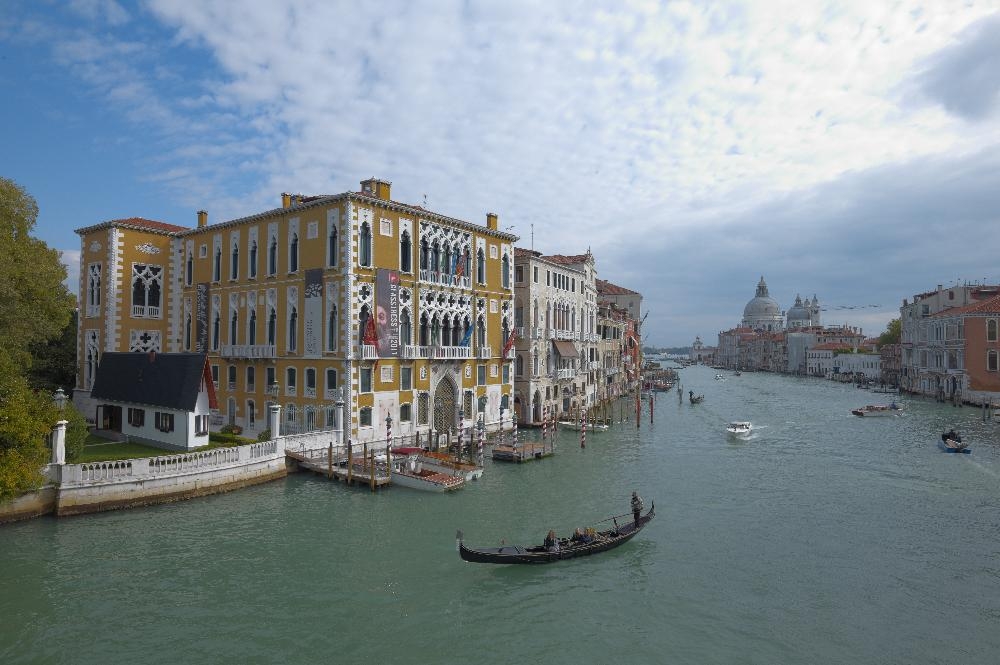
[{"x": 825, "y": 538}]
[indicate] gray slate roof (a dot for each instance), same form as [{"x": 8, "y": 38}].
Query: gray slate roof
[{"x": 168, "y": 380}]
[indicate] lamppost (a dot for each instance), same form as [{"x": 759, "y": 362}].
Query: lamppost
[{"x": 59, "y": 398}]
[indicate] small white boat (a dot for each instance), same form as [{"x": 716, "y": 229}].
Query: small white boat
[
  {"x": 591, "y": 427},
  {"x": 740, "y": 428},
  {"x": 719, "y": 377},
  {"x": 410, "y": 472},
  {"x": 445, "y": 463},
  {"x": 878, "y": 411}
]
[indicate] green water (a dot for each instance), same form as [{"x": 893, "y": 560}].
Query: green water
[{"x": 823, "y": 539}]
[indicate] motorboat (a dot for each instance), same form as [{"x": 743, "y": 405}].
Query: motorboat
[
  {"x": 878, "y": 410},
  {"x": 951, "y": 442},
  {"x": 410, "y": 471},
  {"x": 739, "y": 428},
  {"x": 719, "y": 377}
]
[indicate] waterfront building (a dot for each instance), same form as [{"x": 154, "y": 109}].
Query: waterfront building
[
  {"x": 611, "y": 328},
  {"x": 892, "y": 355},
  {"x": 404, "y": 313},
  {"x": 934, "y": 352},
  {"x": 629, "y": 303},
  {"x": 700, "y": 353}
]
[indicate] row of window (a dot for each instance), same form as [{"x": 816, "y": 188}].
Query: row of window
[{"x": 163, "y": 422}]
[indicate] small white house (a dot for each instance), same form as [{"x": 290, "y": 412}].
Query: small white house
[
  {"x": 868, "y": 364},
  {"x": 160, "y": 399}
]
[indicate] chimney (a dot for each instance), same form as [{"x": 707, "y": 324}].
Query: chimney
[
  {"x": 202, "y": 218},
  {"x": 491, "y": 221},
  {"x": 286, "y": 200},
  {"x": 378, "y": 188}
]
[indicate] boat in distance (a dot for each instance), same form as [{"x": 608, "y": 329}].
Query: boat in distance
[
  {"x": 952, "y": 443},
  {"x": 567, "y": 549},
  {"x": 590, "y": 426},
  {"x": 739, "y": 428},
  {"x": 877, "y": 410}
]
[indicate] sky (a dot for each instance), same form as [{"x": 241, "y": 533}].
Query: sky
[{"x": 844, "y": 149}]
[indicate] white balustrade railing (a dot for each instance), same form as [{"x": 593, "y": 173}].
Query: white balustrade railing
[
  {"x": 452, "y": 352},
  {"x": 519, "y": 331},
  {"x": 563, "y": 374},
  {"x": 413, "y": 352},
  {"x": 250, "y": 351},
  {"x": 484, "y": 352},
  {"x": 369, "y": 352}
]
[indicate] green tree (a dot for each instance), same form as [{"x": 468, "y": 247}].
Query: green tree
[
  {"x": 36, "y": 308},
  {"x": 53, "y": 361},
  {"x": 892, "y": 333}
]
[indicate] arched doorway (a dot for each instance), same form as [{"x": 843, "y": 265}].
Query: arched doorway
[
  {"x": 536, "y": 407},
  {"x": 445, "y": 406}
]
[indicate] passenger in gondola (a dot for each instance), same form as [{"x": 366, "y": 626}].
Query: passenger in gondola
[
  {"x": 577, "y": 536},
  {"x": 551, "y": 542},
  {"x": 636, "y": 507}
]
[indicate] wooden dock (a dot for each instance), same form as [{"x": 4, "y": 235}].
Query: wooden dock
[
  {"x": 359, "y": 471},
  {"x": 524, "y": 452}
]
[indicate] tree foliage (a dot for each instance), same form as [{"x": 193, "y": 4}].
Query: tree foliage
[
  {"x": 36, "y": 308},
  {"x": 53, "y": 361},
  {"x": 892, "y": 333}
]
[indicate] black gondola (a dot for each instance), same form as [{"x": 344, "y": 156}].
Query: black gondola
[{"x": 568, "y": 549}]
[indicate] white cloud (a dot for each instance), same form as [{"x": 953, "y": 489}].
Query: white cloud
[{"x": 71, "y": 259}]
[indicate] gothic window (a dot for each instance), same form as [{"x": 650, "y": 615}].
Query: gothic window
[
  {"x": 252, "y": 327},
  {"x": 216, "y": 324},
  {"x": 456, "y": 332},
  {"x": 424, "y": 255},
  {"x": 234, "y": 268},
  {"x": 480, "y": 266},
  {"x": 251, "y": 415},
  {"x": 217, "y": 265},
  {"x": 251, "y": 378},
  {"x": 446, "y": 332},
  {"x": 405, "y": 252},
  {"x": 272, "y": 323},
  {"x": 423, "y": 412},
  {"x": 331, "y": 329},
  {"x": 293, "y": 328},
  {"x": 231, "y": 377},
  {"x": 331, "y": 247},
  {"x": 435, "y": 256},
  {"x": 505, "y": 271},
  {"x": 272, "y": 257},
  {"x": 146, "y": 283},
  {"x": 365, "y": 245},
  {"x": 446, "y": 260},
  {"x": 363, "y": 323},
  {"x": 311, "y": 379},
  {"x": 468, "y": 263},
  {"x": 991, "y": 330},
  {"x": 424, "y": 331},
  {"x": 253, "y": 260},
  {"x": 466, "y": 338},
  {"x": 189, "y": 270},
  {"x": 519, "y": 369},
  {"x": 405, "y": 328},
  {"x": 293, "y": 253},
  {"x": 234, "y": 322},
  {"x": 435, "y": 330},
  {"x": 93, "y": 289}
]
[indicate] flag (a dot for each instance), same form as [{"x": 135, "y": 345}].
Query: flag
[
  {"x": 510, "y": 342},
  {"x": 459, "y": 265},
  {"x": 371, "y": 338},
  {"x": 454, "y": 263},
  {"x": 468, "y": 337}
]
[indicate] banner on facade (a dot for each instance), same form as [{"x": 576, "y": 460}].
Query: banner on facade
[
  {"x": 312, "y": 323},
  {"x": 387, "y": 312},
  {"x": 201, "y": 317}
]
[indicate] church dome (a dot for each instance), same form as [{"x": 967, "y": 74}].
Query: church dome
[
  {"x": 762, "y": 304},
  {"x": 798, "y": 312}
]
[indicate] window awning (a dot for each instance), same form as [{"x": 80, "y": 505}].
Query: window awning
[{"x": 565, "y": 348}]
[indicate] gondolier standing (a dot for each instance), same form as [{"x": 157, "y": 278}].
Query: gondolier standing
[{"x": 636, "y": 507}]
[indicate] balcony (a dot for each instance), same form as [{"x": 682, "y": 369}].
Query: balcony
[
  {"x": 290, "y": 391},
  {"x": 452, "y": 352},
  {"x": 564, "y": 374},
  {"x": 519, "y": 331},
  {"x": 428, "y": 275},
  {"x": 484, "y": 352},
  {"x": 539, "y": 333},
  {"x": 412, "y": 352},
  {"x": 595, "y": 364},
  {"x": 369, "y": 352},
  {"x": 248, "y": 351},
  {"x": 511, "y": 352},
  {"x": 309, "y": 392},
  {"x": 562, "y": 334},
  {"x": 145, "y": 311},
  {"x": 251, "y": 388}
]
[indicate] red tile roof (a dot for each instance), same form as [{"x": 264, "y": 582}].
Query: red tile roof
[
  {"x": 567, "y": 259},
  {"x": 521, "y": 251},
  {"x": 605, "y": 287},
  {"x": 988, "y": 306}
]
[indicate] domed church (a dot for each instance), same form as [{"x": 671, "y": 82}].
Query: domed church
[
  {"x": 804, "y": 313},
  {"x": 763, "y": 311}
]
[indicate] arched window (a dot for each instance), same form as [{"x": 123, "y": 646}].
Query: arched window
[
  {"x": 293, "y": 253},
  {"x": 234, "y": 268},
  {"x": 519, "y": 366},
  {"x": 363, "y": 323},
  {"x": 234, "y": 321},
  {"x": 272, "y": 257},
  {"x": 405, "y": 328},
  {"x": 331, "y": 379},
  {"x": 466, "y": 337},
  {"x": 231, "y": 377},
  {"x": 506, "y": 331},
  {"x": 436, "y": 256},
  {"x": 505, "y": 271},
  {"x": 481, "y": 331},
  {"x": 331, "y": 247},
  {"x": 331, "y": 329},
  {"x": 405, "y": 252},
  {"x": 991, "y": 360},
  {"x": 480, "y": 266},
  {"x": 424, "y": 331},
  {"x": 505, "y": 403},
  {"x": 446, "y": 260},
  {"x": 446, "y": 330},
  {"x": 365, "y": 245},
  {"x": 272, "y": 327},
  {"x": 146, "y": 290},
  {"x": 456, "y": 333},
  {"x": 216, "y": 324},
  {"x": 290, "y": 380},
  {"x": 435, "y": 330},
  {"x": 252, "y": 268},
  {"x": 468, "y": 263},
  {"x": 293, "y": 328},
  {"x": 189, "y": 270},
  {"x": 991, "y": 330},
  {"x": 217, "y": 265},
  {"x": 251, "y": 415},
  {"x": 425, "y": 255},
  {"x": 252, "y": 327}
]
